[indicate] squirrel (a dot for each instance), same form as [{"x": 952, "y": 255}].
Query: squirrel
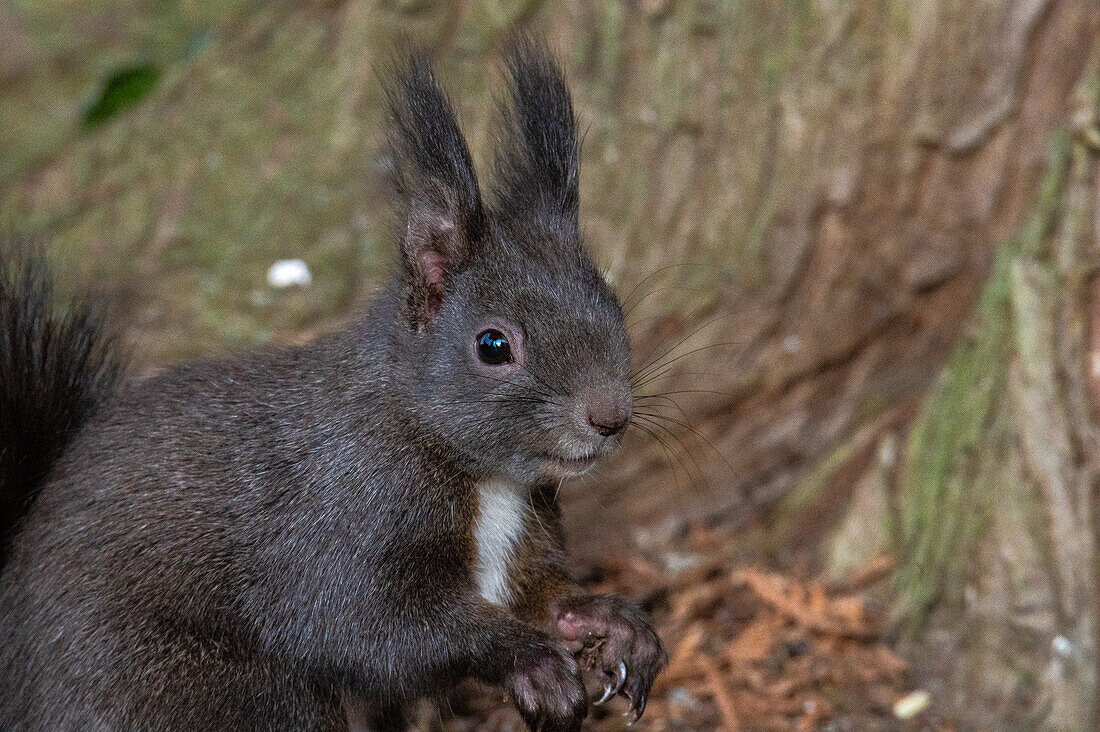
[{"x": 314, "y": 536}]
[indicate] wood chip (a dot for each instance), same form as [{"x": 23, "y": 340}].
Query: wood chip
[
  {"x": 810, "y": 608},
  {"x": 722, "y": 698}
]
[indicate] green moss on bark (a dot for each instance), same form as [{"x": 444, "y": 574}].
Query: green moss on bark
[{"x": 952, "y": 471}]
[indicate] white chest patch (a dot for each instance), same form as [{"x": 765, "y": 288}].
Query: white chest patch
[{"x": 498, "y": 530}]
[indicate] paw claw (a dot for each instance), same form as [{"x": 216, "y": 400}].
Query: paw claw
[
  {"x": 619, "y": 634},
  {"x": 614, "y": 686},
  {"x": 620, "y": 678},
  {"x": 637, "y": 710}
]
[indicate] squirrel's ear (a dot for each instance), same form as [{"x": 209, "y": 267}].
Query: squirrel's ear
[
  {"x": 537, "y": 161},
  {"x": 433, "y": 175}
]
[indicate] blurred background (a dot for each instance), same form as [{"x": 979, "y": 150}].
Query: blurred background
[{"x": 857, "y": 243}]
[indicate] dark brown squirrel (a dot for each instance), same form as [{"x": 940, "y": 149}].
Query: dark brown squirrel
[{"x": 311, "y": 537}]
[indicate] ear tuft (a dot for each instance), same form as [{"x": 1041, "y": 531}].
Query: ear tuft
[
  {"x": 537, "y": 162},
  {"x": 433, "y": 174}
]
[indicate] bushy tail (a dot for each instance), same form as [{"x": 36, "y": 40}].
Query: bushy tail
[{"x": 56, "y": 368}]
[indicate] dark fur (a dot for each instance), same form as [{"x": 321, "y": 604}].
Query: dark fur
[
  {"x": 537, "y": 167},
  {"x": 284, "y": 540},
  {"x": 56, "y": 368}
]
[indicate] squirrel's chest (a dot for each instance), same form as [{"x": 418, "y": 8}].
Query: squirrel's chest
[{"x": 498, "y": 533}]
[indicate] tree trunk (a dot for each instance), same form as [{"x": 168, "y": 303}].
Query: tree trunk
[
  {"x": 901, "y": 150},
  {"x": 954, "y": 169},
  {"x": 991, "y": 506}
]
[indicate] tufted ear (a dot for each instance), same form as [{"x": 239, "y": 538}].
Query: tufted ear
[
  {"x": 433, "y": 175},
  {"x": 537, "y": 161}
]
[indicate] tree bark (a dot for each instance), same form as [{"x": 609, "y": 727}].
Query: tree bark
[{"x": 951, "y": 213}]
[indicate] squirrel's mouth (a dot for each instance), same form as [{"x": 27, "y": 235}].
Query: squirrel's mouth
[{"x": 571, "y": 467}]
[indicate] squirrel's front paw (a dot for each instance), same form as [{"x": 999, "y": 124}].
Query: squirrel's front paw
[
  {"x": 546, "y": 688},
  {"x": 616, "y": 640}
]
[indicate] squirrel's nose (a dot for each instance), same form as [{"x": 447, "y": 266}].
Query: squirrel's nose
[
  {"x": 607, "y": 425},
  {"x": 608, "y": 414}
]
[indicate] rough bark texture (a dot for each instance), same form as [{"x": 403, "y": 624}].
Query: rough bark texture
[
  {"x": 878, "y": 220},
  {"x": 887, "y": 225}
]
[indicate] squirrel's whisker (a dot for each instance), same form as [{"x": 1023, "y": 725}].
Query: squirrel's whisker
[
  {"x": 626, "y": 300},
  {"x": 697, "y": 432},
  {"x": 683, "y": 446},
  {"x": 666, "y": 366},
  {"x": 655, "y": 363}
]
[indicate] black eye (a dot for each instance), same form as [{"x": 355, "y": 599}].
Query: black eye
[{"x": 493, "y": 348}]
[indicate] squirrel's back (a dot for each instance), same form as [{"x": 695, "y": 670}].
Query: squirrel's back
[{"x": 139, "y": 514}]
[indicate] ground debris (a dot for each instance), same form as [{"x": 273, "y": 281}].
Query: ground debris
[{"x": 749, "y": 649}]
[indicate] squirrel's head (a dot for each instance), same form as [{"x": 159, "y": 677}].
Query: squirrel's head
[{"x": 513, "y": 343}]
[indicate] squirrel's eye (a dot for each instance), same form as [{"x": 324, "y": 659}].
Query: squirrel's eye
[{"x": 493, "y": 348}]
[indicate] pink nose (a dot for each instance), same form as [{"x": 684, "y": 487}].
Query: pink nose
[
  {"x": 608, "y": 414},
  {"x": 607, "y": 425}
]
